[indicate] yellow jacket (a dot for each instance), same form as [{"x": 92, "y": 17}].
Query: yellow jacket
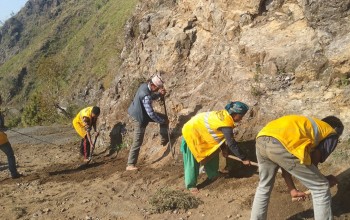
[
  {"x": 300, "y": 135},
  {"x": 202, "y": 135},
  {"x": 3, "y": 138},
  {"x": 78, "y": 122}
]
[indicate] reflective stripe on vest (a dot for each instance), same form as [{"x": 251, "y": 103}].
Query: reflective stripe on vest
[
  {"x": 211, "y": 132},
  {"x": 315, "y": 129}
]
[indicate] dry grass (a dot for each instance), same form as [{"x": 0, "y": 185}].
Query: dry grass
[{"x": 167, "y": 199}]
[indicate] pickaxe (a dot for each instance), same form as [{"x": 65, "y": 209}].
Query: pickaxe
[
  {"x": 168, "y": 129},
  {"x": 92, "y": 147}
]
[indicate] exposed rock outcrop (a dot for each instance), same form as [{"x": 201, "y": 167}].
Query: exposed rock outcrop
[{"x": 281, "y": 57}]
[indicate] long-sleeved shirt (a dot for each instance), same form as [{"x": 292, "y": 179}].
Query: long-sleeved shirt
[
  {"x": 231, "y": 143},
  {"x": 147, "y": 103},
  {"x": 327, "y": 146}
]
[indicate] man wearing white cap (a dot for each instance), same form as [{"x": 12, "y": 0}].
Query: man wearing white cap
[{"x": 142, "y": 113}]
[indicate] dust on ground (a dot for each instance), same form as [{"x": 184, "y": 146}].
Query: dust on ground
[{"x": 57, "y": 186}]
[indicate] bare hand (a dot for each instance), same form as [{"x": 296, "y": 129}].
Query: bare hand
[
  {"x": 246, "y": 162},
  {"x": 224, "y": 153},
  {"x": 162, "y": 91},
  {"x": 332, "y": 180},
  {"x": 299, "y": 196}
]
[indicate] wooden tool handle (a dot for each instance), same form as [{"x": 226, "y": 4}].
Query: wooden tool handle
[{"x": 238, "y": 159}]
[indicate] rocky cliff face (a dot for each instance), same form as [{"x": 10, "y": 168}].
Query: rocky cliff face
[{"x": 280, "y": 57}]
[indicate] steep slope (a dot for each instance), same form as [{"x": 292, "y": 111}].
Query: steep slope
[{"x": 59, "y": 53}]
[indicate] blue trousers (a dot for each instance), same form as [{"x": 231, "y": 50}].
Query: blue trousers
[{"x": 7, "y": 149}]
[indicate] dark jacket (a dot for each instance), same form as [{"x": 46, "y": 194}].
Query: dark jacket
[{"x": 136, "y": 108}]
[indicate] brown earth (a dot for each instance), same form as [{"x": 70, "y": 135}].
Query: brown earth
[{"x": 56, "y": 186}]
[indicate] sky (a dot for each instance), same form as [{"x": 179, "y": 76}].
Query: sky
[{"x": 9, "y": 6}]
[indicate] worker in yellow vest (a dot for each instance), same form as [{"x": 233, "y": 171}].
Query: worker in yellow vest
[
  {"x": 296, "y": 144},
  {"x": 6, "y": 147},
  {"x": 83, "y": 122},
  {"x": 203, "y": 136}
]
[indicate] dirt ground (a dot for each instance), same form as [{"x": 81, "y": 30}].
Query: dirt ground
[{"x": 56, "y": 186}]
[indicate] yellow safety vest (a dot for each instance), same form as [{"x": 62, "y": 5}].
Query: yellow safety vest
[
  {"x": 3, "y": 138},
  {"x": 300, "y": 135},
  {"x": 78, "y": 121},
  {"x": 202, "y": 135}
]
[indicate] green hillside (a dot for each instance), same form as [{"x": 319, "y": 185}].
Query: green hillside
[{"x": 52, "y": 50}]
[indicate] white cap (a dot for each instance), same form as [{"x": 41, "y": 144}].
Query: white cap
[{"x": 157, "y": 81}]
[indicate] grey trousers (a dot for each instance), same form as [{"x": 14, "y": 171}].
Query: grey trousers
[
  {"x": 271, "y": 154},
  {"x": 139, "y": 133},
  {"x": 7, "y": 149}
]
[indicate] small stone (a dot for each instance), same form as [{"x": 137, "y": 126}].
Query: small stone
[
  {"x": 189, "y": 213},
  {"x": 175, "y": 211},
  {"x": 238, "y": 215},
  {"x": 88, "y": 218},
  {"x": 46, "y": 210},
  {"x": 63, "y": 210},
  {"x": 38, "y": 213},
  {"x": 207, "y": 194},
  {"x": 229, "y": 216}
]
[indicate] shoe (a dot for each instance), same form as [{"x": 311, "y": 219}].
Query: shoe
[
  {"x": 16, "y": 176},
  {"x": 131, "y": 168}
]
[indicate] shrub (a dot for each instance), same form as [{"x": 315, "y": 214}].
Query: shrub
[
  {"x": 13, "y": 122},
  {"x": 38, "y": 110}
]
